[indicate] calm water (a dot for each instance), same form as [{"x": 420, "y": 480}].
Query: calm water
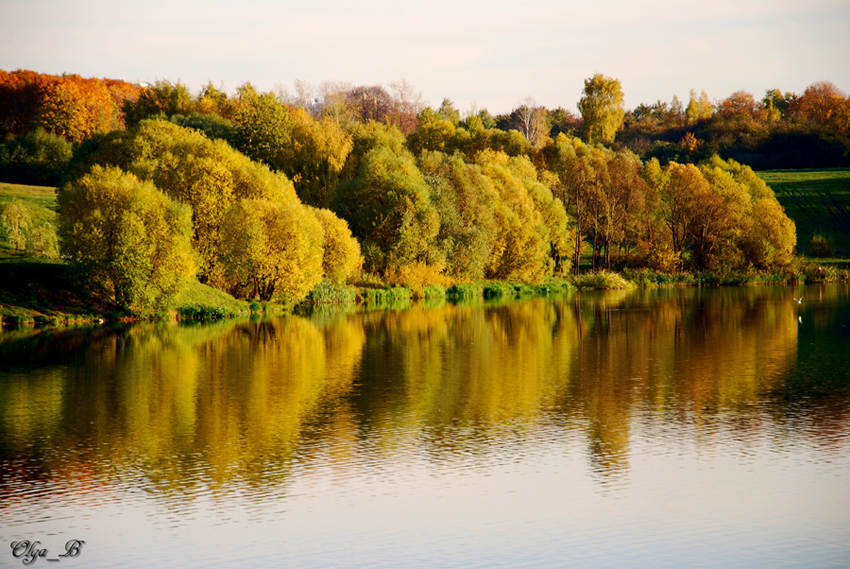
[{"x": 673, "y": 428}]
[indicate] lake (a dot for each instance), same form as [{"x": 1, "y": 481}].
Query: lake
[{"x": 660, "y": 428}]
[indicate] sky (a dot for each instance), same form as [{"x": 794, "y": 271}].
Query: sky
[{"x": 491, "y": 54}]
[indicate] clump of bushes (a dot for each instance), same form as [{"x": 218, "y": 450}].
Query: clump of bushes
[
  {"x": 821, "y": 246},
  {"x": 330, "y": 292},
  {"x": 602, "y": 280},
  {"x": 38, "y": 158},
  {"x": 382, "y": 295},
  {"x": 465, "y": 291}
]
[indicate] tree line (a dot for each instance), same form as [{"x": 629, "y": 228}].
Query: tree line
[{"x": 264, "y": 194}]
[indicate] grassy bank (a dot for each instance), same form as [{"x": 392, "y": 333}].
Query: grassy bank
[{"x": 36, "y": 291}]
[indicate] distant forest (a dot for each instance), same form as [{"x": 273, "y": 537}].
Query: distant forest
[
  {"x": 368, "y": 178},
  {"x": 779, "y": 130}
]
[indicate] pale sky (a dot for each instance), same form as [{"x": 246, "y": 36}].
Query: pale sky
[{"x": 491, "y": 53}]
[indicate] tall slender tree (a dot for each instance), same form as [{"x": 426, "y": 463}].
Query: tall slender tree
[{"x": 601, "y": 108}]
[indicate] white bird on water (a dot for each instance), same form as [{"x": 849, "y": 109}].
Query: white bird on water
[{"x": 798, "y": 300}]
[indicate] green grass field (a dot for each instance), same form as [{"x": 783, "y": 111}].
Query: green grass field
[
  {"x": 818, "y": 201},
  {"x": 40, "y": 200}
]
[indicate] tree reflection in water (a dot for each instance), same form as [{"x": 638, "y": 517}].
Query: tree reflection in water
[{"x": 208, "y": 406}]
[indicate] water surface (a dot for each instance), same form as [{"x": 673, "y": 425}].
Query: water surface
[{"x": 669, "y": 428}]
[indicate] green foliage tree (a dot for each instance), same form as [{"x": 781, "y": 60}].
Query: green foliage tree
[
  {"x": 261, "y": 122},
  {"x": 387, "y": 206},
  {"x": 448, "y": 112},
  {"x": 601, "y": 108},
  {"x": 162, "y": 99},
  {"x": 38, "y": 158},
  {"x": 467, "y": 202},
  {"x": 129, "y": 242}
]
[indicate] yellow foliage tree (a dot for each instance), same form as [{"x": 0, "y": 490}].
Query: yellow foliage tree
[
  {"x": 270, "y": 250},
  {"x": 128, "y": 240},
  {"x": 341, "y": 258},
  {"x": 601, "y": 108}
]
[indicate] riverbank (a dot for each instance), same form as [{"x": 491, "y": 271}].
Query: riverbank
[{"x": 37, "y": 291}]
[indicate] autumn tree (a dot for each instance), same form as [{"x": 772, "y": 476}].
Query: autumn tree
[
  {"x": 388, "y": 207},
  {"x": 312, "y": 153},
  {"x": 825, "y": 104},
  {"x": 341, "y": 257},
  {"x": 212, "y": 100},
  {"x": 128, "y": 241},
  {"x": 559, "y": 233},
  {"x": 448, "y": 112},
  {"x": 579, "y": 175},
  {"x": 522, "y": 247},
  {"x": 740, "y": 106},
  {"x": 467, "y": 203},
  {"x": 531, "y": 120},
  {"x": 764, "y": 234},
  {"x": 601, "y": 108},
  {"x": 162, "y": 99},
  {"x": 435, "y": 133},
  {"x": 370, "y": 103},
  {"x": 624, "y": 201},
  {"x": 271, "y": 250},
  {"x": 408, "y": 103},
  {"x": 699, "y": 108}
]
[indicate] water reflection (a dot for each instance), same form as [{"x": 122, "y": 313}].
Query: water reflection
[{"x": 202, "y": 408}]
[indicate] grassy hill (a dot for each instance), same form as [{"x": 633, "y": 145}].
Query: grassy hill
[{"x": 818, "y": 201}]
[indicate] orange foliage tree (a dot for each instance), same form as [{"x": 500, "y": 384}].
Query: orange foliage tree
[{"x": 69, "y": 106}]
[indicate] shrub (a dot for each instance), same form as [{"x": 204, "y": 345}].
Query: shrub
[
  {"x": 602, "y": 280},
  {"x": 465, "y": 291},
  {"x": 328, "y": 292},
  {"x": 417, "y": 275},
  {"x": 498, "y": 289},
  {"x": 821, "y": 246}
]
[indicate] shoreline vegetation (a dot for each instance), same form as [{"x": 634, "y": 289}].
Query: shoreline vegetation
[
  {"x": 131, "y": 202},
  {"x": 38, "y": 293}
]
